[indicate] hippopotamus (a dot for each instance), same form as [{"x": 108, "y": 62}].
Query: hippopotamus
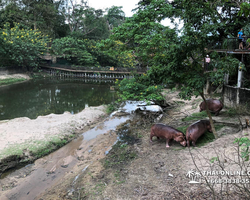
[
  {"x": 168, "y": 132},
  {"x": 195, "y": 130},
  {"x": 214, "y": 105}
]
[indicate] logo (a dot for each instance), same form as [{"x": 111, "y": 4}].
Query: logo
[{"x": 195, "y": 177}]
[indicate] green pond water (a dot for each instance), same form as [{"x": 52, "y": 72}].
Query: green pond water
[{"x": 44, "y": 96}]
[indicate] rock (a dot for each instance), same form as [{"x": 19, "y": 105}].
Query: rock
[{"x": 64, "y": 166}]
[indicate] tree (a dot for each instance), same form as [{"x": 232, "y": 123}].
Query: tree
[
  {"x": 23, "y": 46},
  {"x": 178, "y": 57},
  {"x": 73, "y": 13},
  {"x": 111, "y": 52},
  {"x": 115, "y": 16},
  {"x": 35, "y": 14},
  {"x": 95, "y": 26},
  {"x": 74, "y": 50}
]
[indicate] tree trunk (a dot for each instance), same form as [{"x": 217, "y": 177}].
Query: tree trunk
[{"x": 209, "y": 116}]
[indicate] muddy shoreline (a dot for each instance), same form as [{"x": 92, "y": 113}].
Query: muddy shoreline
[
  {"x": 140, "y": 170},
  {"x": 24, "y": 140}
]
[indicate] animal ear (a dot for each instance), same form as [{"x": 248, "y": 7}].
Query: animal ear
[
  {"x": 180, "y": 134},
  {"x": 179, "y": 139}
]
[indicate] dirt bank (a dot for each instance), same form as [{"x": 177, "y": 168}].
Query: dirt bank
[
  {"x": 24, "y": 137},
  {"x": 155, "y": 172},
  {"x": 133, "y": 168},
  {"x": 17, "y": 76}
]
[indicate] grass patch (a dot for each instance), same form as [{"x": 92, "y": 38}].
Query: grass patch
[
  {"x": 183, "y": 129},
  {"x": 218, "y": 127},
  {"x": 122, "y": 152},
  {"x": 231, "y": 112},
  {"x": 36, "y": 148},
  {"x": 204, "y": 139},
  {"x": 238, "y": 110},
  {"x": 179, "y": 102},
  {"x": 9, "y": 81},
  {"x": 111, "y": 108},
  {"x": 119, "y": 155},
  {"x": 194, "y": 116},
  {"x": 44, "y": 148}
]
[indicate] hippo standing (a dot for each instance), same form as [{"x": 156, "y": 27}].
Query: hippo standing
[
  {"x": 214, "y": 105},
  {"x": 168, "y": 132},
  {"x": 195, "y": 130}
]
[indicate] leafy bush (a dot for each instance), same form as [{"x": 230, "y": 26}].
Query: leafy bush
[
  {"x": 244, "y": 144},
  {"x": 130, "y": 89}
]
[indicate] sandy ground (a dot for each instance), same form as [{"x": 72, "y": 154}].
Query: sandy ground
[
  {"x": 24, "y": 134},
  {"x": 157, "y": 172},
  {"x": 6, "y": 75}
]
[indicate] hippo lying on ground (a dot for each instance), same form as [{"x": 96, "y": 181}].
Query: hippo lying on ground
[
  {"x": 214, "y": 105},
  {"x": 168, "y": 132},
  {"x": 195, "y": 130}
]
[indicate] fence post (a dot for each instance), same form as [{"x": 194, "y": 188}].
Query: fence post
[{"x": 239, "y": 75}]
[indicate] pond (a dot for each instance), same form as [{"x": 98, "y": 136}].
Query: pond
[{"x": 44, "y": 96}]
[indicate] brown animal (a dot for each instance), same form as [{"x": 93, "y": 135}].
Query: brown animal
[
  {"x": 168, "y": 132},
  {"x": 195, "y": 130},
  {"x": 214, "y": 105}
]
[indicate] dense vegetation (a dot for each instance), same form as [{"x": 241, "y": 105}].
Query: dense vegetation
[
  {"x": 75, "y": 32},
  {"x": 176, "y": 56}
]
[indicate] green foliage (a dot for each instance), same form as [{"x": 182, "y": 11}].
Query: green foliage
[
  {"x": 115, "y": 16},
  {"x": 244, "y": 144},
  {"x": 183, "y": 129},
  {"x": 23, "y": 46},
  {"x": 131, "y": 89},
  {"x": 111, "y": 108},
  {"x": 118, "y": 56},
  {"x": 87, "y": 52},
  {"x": 213, "y": 159},
  {"x": 73, "y": 50},
  {"x": 174, "y": 57},
  {"x": 94, "y": 24},
  {"x": 244, "y": 9},
  {"x": 103, "y": 58},
  {"x": 148, "y": 39},
  {"x": 42, "y": 15},
  {"x": 222, "y": 66}
]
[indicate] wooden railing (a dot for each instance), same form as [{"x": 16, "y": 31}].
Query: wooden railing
[
  {"x": 72, "y": 73},
  {"x": 229, "y": 45}
]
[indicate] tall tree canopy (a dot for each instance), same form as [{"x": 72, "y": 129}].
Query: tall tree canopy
[
  {"x": 115, "y": 16},
  {"x": 36, "y": 14}
]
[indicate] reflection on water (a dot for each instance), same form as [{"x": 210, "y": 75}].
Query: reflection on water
[
  {"x": 45, "y": 96},
  {"x": 110, "y": 124}
]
